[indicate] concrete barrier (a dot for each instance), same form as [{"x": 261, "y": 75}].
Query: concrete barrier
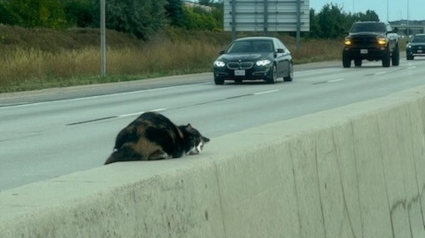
[{"x": 354, "y": 171}]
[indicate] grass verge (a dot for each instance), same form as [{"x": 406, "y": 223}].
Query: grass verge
[{"x": 40, "y": 58}]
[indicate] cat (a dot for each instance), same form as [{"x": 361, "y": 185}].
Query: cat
[{"x": 152, "y": 136}]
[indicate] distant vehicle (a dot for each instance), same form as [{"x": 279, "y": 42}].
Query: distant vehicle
[
  {"x": 371, "y": 41},
  {"x": 254, "y": 58},
  {"x": 415, "y": 47}
]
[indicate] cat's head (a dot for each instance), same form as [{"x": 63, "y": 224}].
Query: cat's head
[{"x": 194, "y": 139}]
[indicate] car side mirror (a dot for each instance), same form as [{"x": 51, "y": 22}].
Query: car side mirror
[
  {"x": 280, "y": 51},
  {"x": 221, "y": 52}
]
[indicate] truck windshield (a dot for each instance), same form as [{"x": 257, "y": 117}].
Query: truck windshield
[{"x": 368, "y": 27}]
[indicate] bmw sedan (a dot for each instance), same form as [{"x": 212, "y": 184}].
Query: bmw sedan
[
  {"x": 254, "y": 58},
  {"x": 416, "y": 47}
]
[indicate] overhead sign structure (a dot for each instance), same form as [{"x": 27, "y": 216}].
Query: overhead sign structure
[{"x": 267, "y": 15}]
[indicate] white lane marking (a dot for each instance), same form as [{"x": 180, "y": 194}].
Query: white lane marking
[
  {"x": 335, "y": 80},
  {"x": 271, "y": 91},
  {"x": 12, "y": 104},
  {"x": 138, "y": 113},
  {"x": 20, "y": 104},
  {"x": 411, "y": 67},
  {"x": 379, "y": 73}
]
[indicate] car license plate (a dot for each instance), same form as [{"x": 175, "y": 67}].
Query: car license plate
[
  {"x": 239, "y": 72},
  {"x": 419, "y": 51},
  {"x": 363, "y": 51}
]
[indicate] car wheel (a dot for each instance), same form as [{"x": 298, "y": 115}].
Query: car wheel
[
  {"x": 218, "y": 80},
  {"x": 358, "y": 62},
  {"x": 290, "y": 73},
  {"x": 273, "y": 74},
  {"x": 386, "y": 60},
  {"x": 410, "y": 57},
  {"x": 395, "y": 57},
  {"x": 346, "y": 61}
]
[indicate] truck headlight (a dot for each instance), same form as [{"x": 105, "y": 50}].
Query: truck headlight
[
  {"x": 382, "y": 41},
  {"x": 347, "y": 41}
]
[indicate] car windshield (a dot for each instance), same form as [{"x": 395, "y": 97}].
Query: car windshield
[
  {"x": 250, "y": 46},
  {"x": 418, "y": 39},
  {"x": 368, "y": 27}
]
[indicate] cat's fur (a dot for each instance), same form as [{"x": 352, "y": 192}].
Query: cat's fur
[{"x": 153, "y": 136}]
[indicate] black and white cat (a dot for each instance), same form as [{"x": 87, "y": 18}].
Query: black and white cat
[{"x": 153, "y": 136}]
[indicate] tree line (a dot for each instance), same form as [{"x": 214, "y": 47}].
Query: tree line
[{"x": 144, "y": 18}]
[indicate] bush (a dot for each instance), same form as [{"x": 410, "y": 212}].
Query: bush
[
  {"x": 196, "y": 18},
  {"x": 79, "y": 13},
  {"x": 141, "y": 18},
  {"x": 37, "y": 13}
]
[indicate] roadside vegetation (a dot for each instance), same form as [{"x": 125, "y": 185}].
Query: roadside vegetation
[{"x": 58, "y": 45}]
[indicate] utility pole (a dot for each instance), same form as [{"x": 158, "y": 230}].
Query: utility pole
[{"x": 102, "y": 39}]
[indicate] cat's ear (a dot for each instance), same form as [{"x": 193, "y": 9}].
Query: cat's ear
[
  {"x": 205, "y": 139},
  {"x": 189, "y": 127}
]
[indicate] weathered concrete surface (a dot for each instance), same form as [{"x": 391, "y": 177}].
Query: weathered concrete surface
[{"x": 356, "y": 171}]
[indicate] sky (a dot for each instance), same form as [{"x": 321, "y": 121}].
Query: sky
[{"x": 397, "y": 8}]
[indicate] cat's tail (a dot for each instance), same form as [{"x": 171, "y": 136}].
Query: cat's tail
[{"x": 123, "y": 154}]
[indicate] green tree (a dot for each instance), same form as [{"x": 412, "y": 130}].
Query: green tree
[
  {"x": 174, "y": 9},
  {"x": 331, "y": 20},
  {"x": 206, "y": 2},
  {"x": 38, "y": 13},
  {"x": 79, "y": 13},
  {"x": 368, "y": 16},
  {"x": 7, "y": 16},
  {"x": 196, "y": 18},
  {"x": 142, "y": 18}
]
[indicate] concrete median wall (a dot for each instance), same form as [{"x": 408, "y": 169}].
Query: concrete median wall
[{"x": 355, "y": 171}]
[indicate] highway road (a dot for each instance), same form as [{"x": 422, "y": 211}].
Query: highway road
[{"x": 53, "y": 132}]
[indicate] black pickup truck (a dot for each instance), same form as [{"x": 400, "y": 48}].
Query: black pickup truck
[{"x": 371, "y": 41}]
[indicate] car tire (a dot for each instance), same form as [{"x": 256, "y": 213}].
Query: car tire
[
  {"x": 395, "y": 57},
  {"x": 290, "y": 76},
  {"x": 218, "y": 80},
  {"x": 346, "y": 61},
  {"x": 358, "y": 62},
  {"x": 410, "y": 57},
  {"x": 386, "y": 60},
  {"x": 273, "y": 74}
]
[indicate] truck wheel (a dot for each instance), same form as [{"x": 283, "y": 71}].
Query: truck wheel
[
  {"x": 395, "y": 57},
  {"x": 358, "y": 62},
  {"x": 346, "y": 61},
  {"x": 386, "y": 60}
]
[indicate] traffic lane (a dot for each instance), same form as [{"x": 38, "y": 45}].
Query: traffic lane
[{"x": 68, "y": 148}]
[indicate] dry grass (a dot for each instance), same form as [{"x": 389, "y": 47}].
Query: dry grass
[{"x": 73, "y": 57}]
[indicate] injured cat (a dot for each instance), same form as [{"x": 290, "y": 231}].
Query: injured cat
[{"x": 153, "y": 136}]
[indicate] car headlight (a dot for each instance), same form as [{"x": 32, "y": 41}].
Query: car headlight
[
  {"x": 219, "y": 64},
  {"x": 382, "y": 41},
  {"x": 263, "y": 62},
  {"x": 347, "y": 41},
  {"x": 409, "y": 46}
]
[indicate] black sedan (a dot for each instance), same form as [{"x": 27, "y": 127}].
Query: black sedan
[
  {"x": 416, "y": 47},
  {"x": 254, "y": 58}
]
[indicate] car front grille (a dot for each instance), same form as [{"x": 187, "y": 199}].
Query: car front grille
[
  {"x": 364, "y": 41},
  {"x": 418, "y": 48},
  {"x": 240, "y": 65}
]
